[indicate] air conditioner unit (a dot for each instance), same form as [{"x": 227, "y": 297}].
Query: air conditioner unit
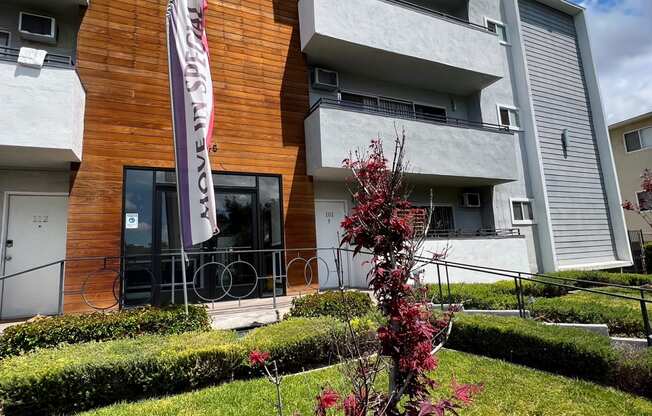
[
  {"x": 471, "y": 200},
  {"x": 37, "y": 28},
  {"x": 323, "y": 79}
]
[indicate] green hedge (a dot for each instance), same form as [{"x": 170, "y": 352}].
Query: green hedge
[
  {"x": 567, "y": 351},
  {"x": 340, "y": 305},
  {"x": 625, "y": 279},
  {"x": 622, "y": 316},
  {"x": 74, "y": 329},
  {"x": 72, "y": 378},
  {"x": 498, "y": 295}
]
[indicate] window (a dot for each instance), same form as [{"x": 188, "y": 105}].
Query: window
[
  {"x": 429, "y": 113},
  {"x": 359, "y": 100},
  {"x": 522, "y": 213},
  {"x": 499, "y": 29},
  {"x": 404, "y": 108},
  {"x": 638, "y": 139},
  {"x": 4, "y": 38},
  {"x": 508, "y": 117},
  {"x": 644, "y": 200}
]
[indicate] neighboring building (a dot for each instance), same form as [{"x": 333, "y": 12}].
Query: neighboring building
[
  {"x": 484, "y": 89},
  {"x": 631, "y": 143}
]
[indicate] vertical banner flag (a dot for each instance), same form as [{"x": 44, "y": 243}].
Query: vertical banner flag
[{"x": 191, "y": 89}]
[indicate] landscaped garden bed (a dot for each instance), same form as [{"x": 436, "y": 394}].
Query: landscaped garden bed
[
  {"x": 74, "y": 329},
  {"x": 508, "y": 390}
]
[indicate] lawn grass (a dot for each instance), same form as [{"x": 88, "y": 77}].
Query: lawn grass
[{"x": 509, "y": 390}]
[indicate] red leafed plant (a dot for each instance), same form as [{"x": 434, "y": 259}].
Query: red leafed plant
[
  {"x": 378, "y": 225},
  {"x": 644, "y": 211}
]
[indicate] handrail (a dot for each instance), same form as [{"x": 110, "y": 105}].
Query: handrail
[
  {"x": 51, "y": 59},
  {"x": 449, "y": 121},
  {"x": 284, "y": 258},
  {"x": 436, "y": 13}
]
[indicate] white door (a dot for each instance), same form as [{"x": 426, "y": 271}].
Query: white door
[
  {"x": 329, "y": 215},
  {"x": 36, "y": 235}
]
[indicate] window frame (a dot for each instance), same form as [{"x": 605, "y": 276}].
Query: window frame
[
  {"x": 8, "y": 45},
  {"x": 521, "y": 201},
  {"x": 638, "y": 201},
  {"x": 422, "y": 104},
  {"x": 509, "y": 108},
  {"x": 640, "y": 139},
  {"x": 496, "y": 22}
]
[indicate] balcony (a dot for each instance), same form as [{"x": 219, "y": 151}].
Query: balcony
[
  {"x": 449, "y": 151},
  {"x": 42, "y": 114},
  {"x": 400, "y": 42}
]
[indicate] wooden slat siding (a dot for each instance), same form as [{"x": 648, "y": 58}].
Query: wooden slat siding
[
  {"x": 261, "y": 98},
  {"x": 578, "y": 205}
]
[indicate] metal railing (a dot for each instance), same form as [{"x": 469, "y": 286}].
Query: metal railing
[
  {"x": 241, "y": 274},
  {"x": 51, "y": 59},
  {"x": 375, "y": 109},
  {"x": 432, "y": 12},
  {"x": 481, "y": 232}
]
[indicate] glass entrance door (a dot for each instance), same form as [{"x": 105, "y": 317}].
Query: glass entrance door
[{"x": 223, "y": 267}]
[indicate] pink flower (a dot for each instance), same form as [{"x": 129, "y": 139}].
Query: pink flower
[
  {"x": 257, "y": 358},
  {"x": 465, "y": 392},
  {"x": 327, "y": 399}
]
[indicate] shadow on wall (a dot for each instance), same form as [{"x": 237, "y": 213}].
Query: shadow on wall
[{"x": 294, "y": 105}]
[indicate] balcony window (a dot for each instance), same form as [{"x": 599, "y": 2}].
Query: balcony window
[
  {"x": 499, "y": 29},
  {"x": 508, "y": 117},
  {"x": 522, "y": 213},
  {"x": 4, "y": 38},
  {"x": 397, "y": 107},
  {"x": 362, "y": 101},
  {"x": 430, "y": 113}
]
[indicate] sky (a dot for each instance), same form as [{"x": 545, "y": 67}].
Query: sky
[{"x": 621, "y": 40}]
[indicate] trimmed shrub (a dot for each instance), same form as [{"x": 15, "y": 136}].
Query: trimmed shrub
[
  {"x": 498, "y": 295},
  {"x": 622, "y": 316},
  {"x": 340, "y": 305},
  {"x": 625, "y": 279},
  {"x": 72, "y": 378},
  {"x": 566, "y": 351},
  {"x": 73, "y": 329},
  {"x": 634, "y": 374}
]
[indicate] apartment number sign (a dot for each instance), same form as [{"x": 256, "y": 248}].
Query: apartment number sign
[
  {"x": 40, "y": 220},
  {"x": 329, "y": 215}
]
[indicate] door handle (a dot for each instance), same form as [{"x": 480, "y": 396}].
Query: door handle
[{"x": 8, "y": 258}]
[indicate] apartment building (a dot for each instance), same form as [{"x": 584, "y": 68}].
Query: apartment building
[
  {"x": 498, "y": 99},
  {"x": 631, "y": 143}
]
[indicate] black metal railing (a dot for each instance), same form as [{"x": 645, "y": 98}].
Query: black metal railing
[
  {"x": 51, "y": 59},
  {"x": 482, "y": 232},
  {"x": 432, "y": 12},
  {"x": 375, "y": 109},
  {"x": 109, "y": 275}
]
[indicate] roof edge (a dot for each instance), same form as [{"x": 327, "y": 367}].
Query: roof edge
[
  {"x": 630, "y": 120},
  {"x": 565, "y": 6}
]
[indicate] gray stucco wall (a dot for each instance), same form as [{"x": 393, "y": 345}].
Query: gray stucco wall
[
  {"x": 44, "y": 109},
  {"x": 68, "y": 20},
  {"x": 472, "y": 156},
  {"x": 578, "y": 203}
]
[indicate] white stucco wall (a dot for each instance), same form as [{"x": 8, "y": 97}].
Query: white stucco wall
[
  {"x": 395, "y": 33},
  {"x": 43, "y": 109},
  {"x": 432, "y": 149},
  {"x": 500, "y": 253}
]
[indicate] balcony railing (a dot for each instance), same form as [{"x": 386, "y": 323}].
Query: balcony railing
[
  {"x": 436, "y": 13},
  {"x": 482, "y": 232},
  {"x": 51, "y": 59},
  {"x": 373, "y": 109}
]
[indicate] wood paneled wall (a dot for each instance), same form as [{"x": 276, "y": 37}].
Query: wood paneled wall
[{"x": 261, "y": 98}]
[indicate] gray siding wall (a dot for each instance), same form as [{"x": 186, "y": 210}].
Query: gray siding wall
[{"x": 578, "y": 206}]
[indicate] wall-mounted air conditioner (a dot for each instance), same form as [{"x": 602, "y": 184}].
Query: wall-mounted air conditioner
[
  {"x": 324, "y": 79},
  {"x": 471, "y": 200},
  {"x": 37, "y": 28}
]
